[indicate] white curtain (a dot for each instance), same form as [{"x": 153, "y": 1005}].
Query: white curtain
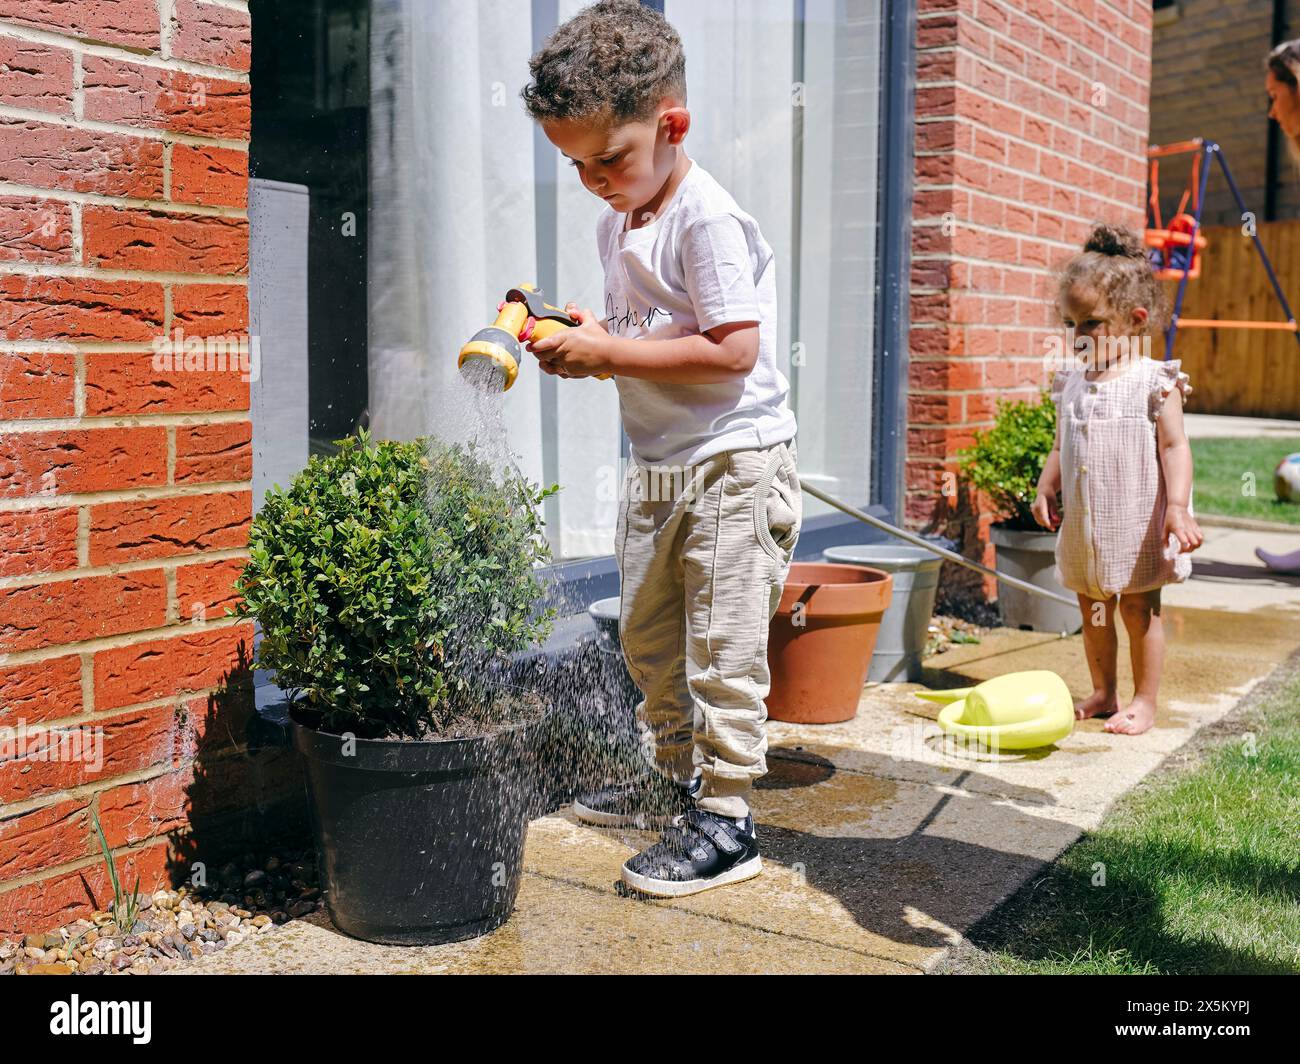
[
  {"x": 454, "y": 201},
  {"x": 452, "y": 206},
  {"x": 455, "y": 196},
  {"x": 816, "y": 178},
  {"x": 589, "y": 430}
]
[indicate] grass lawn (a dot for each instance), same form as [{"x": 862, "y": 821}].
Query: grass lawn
[
  {"x": 1219, "y": 466},
  {"x": 1202, "y": 868}
]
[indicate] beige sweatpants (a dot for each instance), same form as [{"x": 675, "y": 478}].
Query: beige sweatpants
[{"x": 703, "y": 554}]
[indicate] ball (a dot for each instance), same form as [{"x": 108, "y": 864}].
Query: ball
[{"x": 1286, "y": 479}]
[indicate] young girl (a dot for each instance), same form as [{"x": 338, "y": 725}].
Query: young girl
[{"x": 1123, "y": 467}]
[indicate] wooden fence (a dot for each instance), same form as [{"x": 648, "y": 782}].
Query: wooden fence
[{"x": 1249, "y": 372}]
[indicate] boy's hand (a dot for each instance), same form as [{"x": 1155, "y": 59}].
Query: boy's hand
[
  {"x": 1182, "y": 525},
  {"x": 1045, "y": 511},
  {"x": 581, "y": 315},
  {"x": 576, "y": 352}
]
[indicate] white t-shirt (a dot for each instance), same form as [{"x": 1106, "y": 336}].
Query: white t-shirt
[{"x": 700, "y": 264}]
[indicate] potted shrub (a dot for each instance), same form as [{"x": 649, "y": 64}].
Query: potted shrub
[
  {"x": 1005, "y": 463},
  {"x": 392, "y": 582}
]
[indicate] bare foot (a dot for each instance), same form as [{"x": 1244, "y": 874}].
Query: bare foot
[
  {"x": 1097, "y": 704},
  {"x": 1137, "y": 717}
]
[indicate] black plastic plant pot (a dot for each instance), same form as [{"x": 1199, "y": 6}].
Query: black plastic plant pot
[{"x": 418, "y": 842}]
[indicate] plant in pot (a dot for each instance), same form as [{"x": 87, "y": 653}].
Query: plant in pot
[
  {"x": 392, "y": 583},
  {"x": 1005, "y": 463}
]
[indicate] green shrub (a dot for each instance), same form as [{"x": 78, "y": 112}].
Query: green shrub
[
  {"x": 390, "y": 580},
  {"x": 1006, "y": 460}
]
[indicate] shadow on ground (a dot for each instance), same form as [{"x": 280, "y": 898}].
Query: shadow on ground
[
  {"x": 1230, "y": 571},
  {"x": 885, "y": 883}
]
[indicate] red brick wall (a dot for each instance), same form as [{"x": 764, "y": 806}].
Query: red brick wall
[
  {"x": 124, "y": 492},
  {"x": 1031, "y": 122}
]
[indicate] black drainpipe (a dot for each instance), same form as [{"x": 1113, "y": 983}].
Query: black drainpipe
[{"x": 1274, "y": 133}]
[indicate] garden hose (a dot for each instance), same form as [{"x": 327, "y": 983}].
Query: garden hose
[{"x": 917, "y": 541}]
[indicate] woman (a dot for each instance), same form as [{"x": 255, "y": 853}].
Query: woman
[{"x": 1282, "y": 83}]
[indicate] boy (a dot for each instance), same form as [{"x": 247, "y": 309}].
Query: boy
[{"x": 711, "y": 508}]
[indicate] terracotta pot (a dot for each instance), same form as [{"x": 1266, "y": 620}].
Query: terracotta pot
[{"x": 819, "y": 658}]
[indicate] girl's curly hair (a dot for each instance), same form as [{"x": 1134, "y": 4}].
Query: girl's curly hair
[
  {"x": 1114, "y": 264},
  {"x": 615, "y": 60}
]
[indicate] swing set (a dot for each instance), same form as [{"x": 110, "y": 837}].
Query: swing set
[{"x": 1175, "y": 250}]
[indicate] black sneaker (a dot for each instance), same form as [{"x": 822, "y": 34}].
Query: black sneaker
[
  {"x": 700, "y": 851},
  {"x": 651, "y": 801}
]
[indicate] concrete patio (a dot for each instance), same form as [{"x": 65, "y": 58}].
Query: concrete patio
[{"x": 880, "y": 847}]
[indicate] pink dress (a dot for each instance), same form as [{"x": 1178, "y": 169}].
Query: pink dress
[{"x": 1111, "y": 538}]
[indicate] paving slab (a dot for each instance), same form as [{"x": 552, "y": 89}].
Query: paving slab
[
  {"x": 851, "y": 861},
  {"x": 556, "y": 928},
  {"x": 1227, "y": 576},
  {"x": 861, "y": 875},
  {"x": 881, "y": 846},
  {"x": 1212, "y": 660}
]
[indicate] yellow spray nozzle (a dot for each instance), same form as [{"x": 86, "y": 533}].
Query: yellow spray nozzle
[
  {"x": 478, "y": 351},
  {"x": 500, "y": 344}
]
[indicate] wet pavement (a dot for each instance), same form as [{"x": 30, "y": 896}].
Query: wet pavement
[{"x": 881, "y": 846}]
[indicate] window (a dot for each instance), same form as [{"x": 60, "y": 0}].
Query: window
[
  {"x": 407, "y": 115},
  {"x": 308, "y": 165}
]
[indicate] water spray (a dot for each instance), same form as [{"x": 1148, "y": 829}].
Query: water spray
[{"x": 491, "y": 359}]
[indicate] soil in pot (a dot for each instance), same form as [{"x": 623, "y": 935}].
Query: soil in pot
[{"x": 821, "y": 640}]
